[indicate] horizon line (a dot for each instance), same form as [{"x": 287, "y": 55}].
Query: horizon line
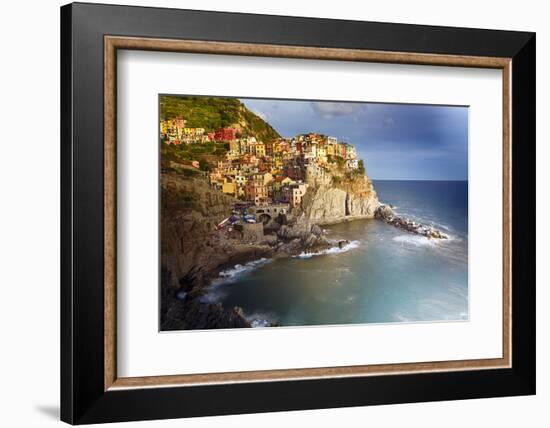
[{"x": 417, "y": 179}]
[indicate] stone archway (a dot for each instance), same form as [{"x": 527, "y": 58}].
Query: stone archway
[{"x": 264, "y": 218}]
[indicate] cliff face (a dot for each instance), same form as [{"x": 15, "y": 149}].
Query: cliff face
[
  {"x": 340, "y": 201},
  {"x": 190, "y": 213},
  {"x": 193, "y": 252}
]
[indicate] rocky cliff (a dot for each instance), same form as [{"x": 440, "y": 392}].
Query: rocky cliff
[
  {"x": 193, "y": 251},
  {"x": 341, "y": 200},
  {"x": 190, "y": 255},
  {"x": 190, "y": 213}
]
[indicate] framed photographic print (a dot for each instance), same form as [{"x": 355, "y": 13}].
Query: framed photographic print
[{"x": 265, "y": 213}]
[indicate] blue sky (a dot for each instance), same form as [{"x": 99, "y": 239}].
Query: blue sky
[{"x": 396, "y": 141}]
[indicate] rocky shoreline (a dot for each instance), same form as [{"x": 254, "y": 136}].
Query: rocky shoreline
[
  {"x": 387, "y": 215},
  {"x": 184, "y": 308},
  {"x": 195, "y": 252}
]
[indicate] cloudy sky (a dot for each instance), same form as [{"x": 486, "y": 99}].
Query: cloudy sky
[{"x": 396, "y": 141}]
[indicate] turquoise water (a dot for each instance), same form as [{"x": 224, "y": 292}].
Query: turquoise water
[{"x": 385, "y": 275}]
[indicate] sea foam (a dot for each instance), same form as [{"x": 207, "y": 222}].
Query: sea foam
[
  {"x": 416, "y": 240},
  {"x": 239, "y": 270},
  {"x": 216, "y": 292},
  {"x": 332, "y": 250},
  {"x": 420, "y": 240},
  {"x": 258, "y": 319}
]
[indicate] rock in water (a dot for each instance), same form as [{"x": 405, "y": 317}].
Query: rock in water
[
  {"x": 342, "y": 244},
  {"x": 384, "y": 212},
  {"x": 387, "y": 215}
]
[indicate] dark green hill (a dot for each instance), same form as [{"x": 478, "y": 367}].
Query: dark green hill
[{"x": 212, "y": 113}]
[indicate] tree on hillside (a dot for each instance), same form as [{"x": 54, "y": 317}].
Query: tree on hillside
[
  {"x": 361, "y": 167},
  {"x": 204, "y": 165}
]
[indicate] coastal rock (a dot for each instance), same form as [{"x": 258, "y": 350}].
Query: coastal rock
[
  {"x": 194, "y": 314},
  {"x": 316, "y": 230},
  {"x": 273, "y": 225},
  {"x": 288, "y": 248},
  {"x": 343, "y": 243},
  {"x": 190, "y": 213},
  {"x": 321, "y": 204},
  {"x": 327, "y": 204},
  {"x": 386, "y": 214},
  {"x": 289, "y": 232},
  {"x": 360, "y": 206},
  {"x": 270, "y": 240},
  {"x": 194, "y": 251}
]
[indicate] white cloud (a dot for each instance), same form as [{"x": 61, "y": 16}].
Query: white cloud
[{"x": 330, "y": 109}]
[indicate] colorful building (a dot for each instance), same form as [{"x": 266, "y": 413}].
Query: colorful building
[
  {"x": 225, "y": 134},
  {"x": 293, "y": 194},
  {"x": 256, "y": 192},
  {"x": 228, "y": 186}
]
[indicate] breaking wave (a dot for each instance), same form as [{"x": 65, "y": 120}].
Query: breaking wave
[
  {"x": 258, "y": 320},
  {"x": 416, "y": 240},
  {"x": 412, "y": 239},
  {"x": 332, "y": 250},
  {"x": 216, "y": 292},
  {"x": 231, "y": 274}
]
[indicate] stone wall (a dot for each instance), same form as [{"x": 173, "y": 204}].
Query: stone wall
[{"x": 253, "y": 232}]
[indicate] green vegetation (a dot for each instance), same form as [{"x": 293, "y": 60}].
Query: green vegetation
[
  {"x": 204, "y": 153},
  {"x": 204, "y": 165},
  {"x": 361, "y": 168},
  {"x": 186, "y": 172},
  {"x": 359, "y": 172},
  {"x": 258, "y": 127},
  {"x": 212, "y": 113},
  {"x": 340, "y": 162}
]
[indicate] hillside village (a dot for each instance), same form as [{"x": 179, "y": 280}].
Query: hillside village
[
  {"x": 262, "y": 173},
  {"x": 234, "y": 191}
]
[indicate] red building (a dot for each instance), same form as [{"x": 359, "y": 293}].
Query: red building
[{"x": 225, "y": 134}]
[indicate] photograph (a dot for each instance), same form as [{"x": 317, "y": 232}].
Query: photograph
[
  {"x": 295, "y": 213},
  {"x": 265, "y": 211}
]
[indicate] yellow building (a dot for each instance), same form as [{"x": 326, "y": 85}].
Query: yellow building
[
  {"x": 321, "y": 154},
  {"x": 228, "y": 187},
  {"x": 193, "y": 132},
  {"x": 260, "y": 149}
]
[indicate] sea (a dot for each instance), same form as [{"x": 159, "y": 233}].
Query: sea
[{"x": 384, "y": 275}]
